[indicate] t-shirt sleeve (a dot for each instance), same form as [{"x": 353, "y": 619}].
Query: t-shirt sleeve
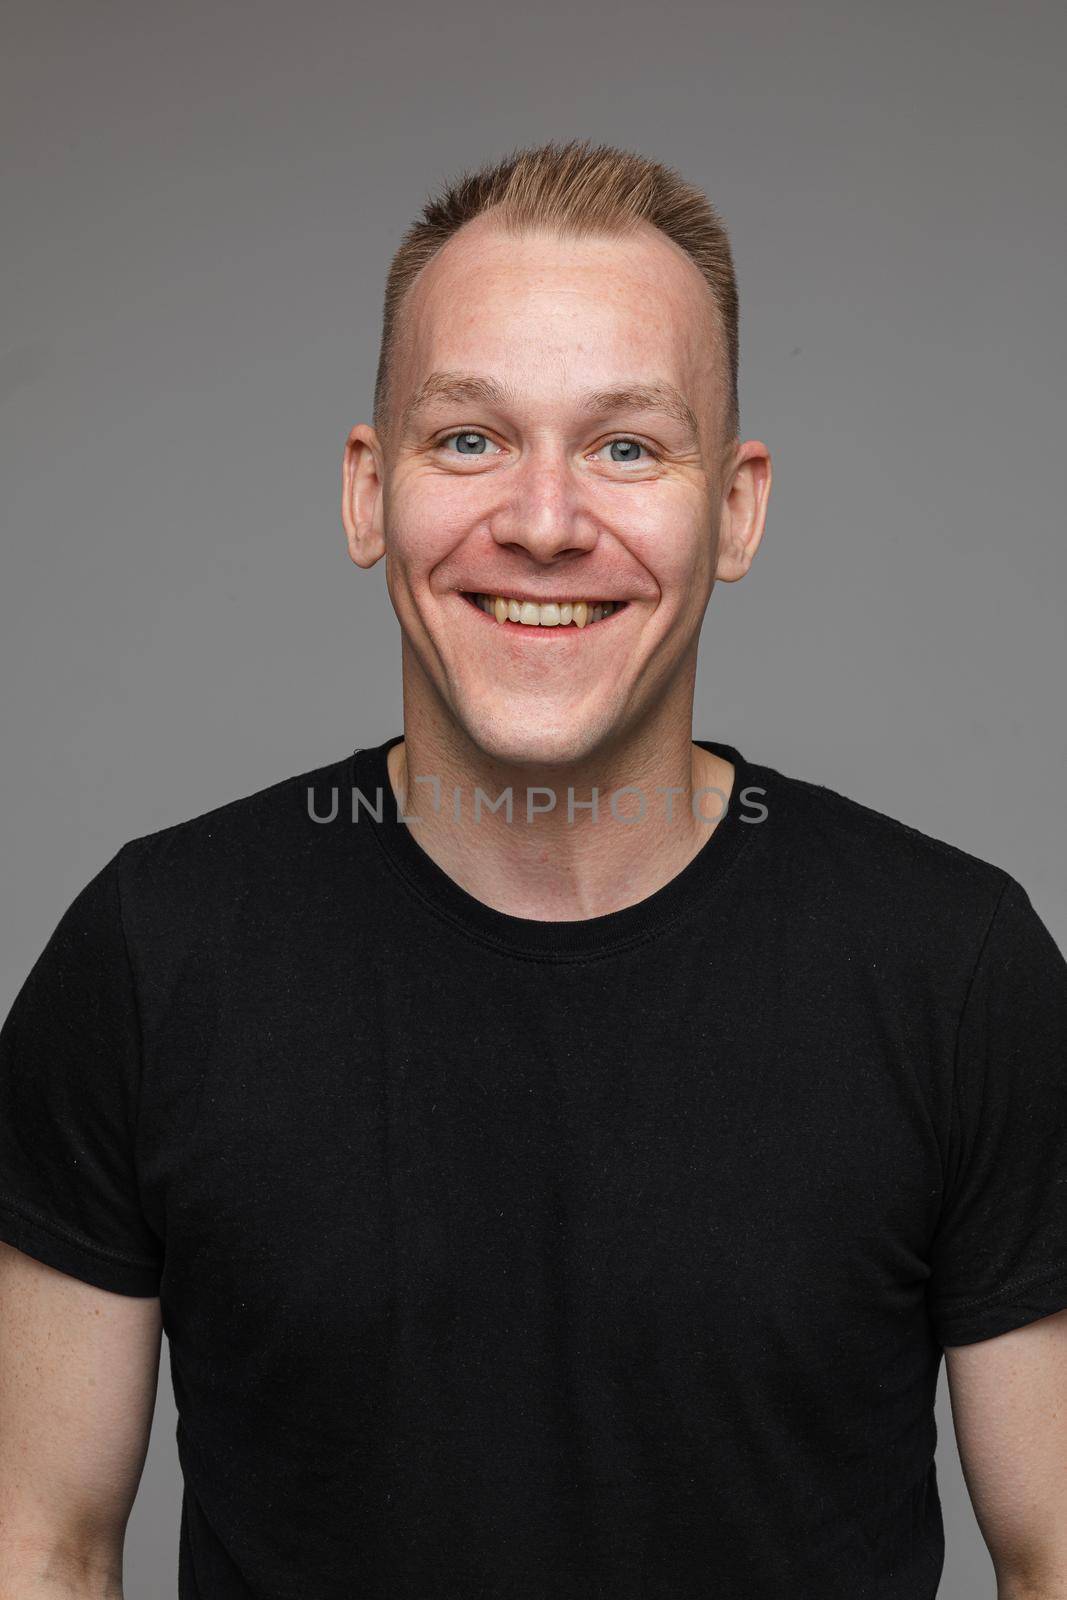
[
  {"x": 999, "y": 1255},
  {"x": 70, "y": 1071}
]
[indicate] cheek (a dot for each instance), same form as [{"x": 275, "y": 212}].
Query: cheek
[
  {"x": 423, "y": 525},
  {"x": 673, "y": 540}
]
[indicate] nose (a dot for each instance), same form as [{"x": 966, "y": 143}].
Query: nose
[{"x": 543, "y": 514}]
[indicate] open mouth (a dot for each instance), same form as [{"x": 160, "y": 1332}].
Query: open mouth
[{"x": 551, "y": 616}]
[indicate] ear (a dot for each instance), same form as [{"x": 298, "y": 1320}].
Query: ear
[
  {"x": 744, "y": 509},
  {"x": 362, "y": 476}
]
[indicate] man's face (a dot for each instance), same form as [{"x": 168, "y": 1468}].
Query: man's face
[{"x": 522, "y": 486}]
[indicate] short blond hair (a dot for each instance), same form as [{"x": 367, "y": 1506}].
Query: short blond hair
[{"x": 577, "y": 189}]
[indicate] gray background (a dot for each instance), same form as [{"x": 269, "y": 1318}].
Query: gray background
[{"x": 199, "y": 207}]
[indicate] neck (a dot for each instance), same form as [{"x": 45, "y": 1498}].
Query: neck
[{"x": 549, "y": 868}]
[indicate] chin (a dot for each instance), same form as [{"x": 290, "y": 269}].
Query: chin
[{"x": 525, "y": 737}]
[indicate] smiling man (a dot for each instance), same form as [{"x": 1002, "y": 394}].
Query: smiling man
[
  {"x": 556, "y": 484},
  {"x": 560, "y": 1150}
]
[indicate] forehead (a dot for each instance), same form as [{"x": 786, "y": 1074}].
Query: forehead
[{"x": 538, "y": 311}]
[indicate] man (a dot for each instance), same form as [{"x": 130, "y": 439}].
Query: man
[{"x": 559, "y": 1150}]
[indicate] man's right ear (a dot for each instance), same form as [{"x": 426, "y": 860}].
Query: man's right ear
[{"x": 361, "y": 496}]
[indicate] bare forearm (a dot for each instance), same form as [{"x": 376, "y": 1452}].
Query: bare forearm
[
  {"x": 15, "y": 1585},
  {"x": 30, "y": 1572},
  {"x": 1028, "y": 1589}
]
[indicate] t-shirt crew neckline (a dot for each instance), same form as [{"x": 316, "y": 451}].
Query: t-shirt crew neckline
[{"x": 581, "y": 938}]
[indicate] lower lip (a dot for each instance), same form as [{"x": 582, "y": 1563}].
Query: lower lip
[{"x": 565, "y": 630}]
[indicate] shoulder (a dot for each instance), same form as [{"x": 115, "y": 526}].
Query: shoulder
[
  {"x": 844, "y": 852},
  {"x": 266, "y": 843}
]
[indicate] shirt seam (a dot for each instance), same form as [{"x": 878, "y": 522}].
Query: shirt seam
[
  {"x": 29, "y": 1213},
  {"x": 555, "y": 957},
  {"x": 949, "y": 1309},
  {"x": 126, "y": 851},
  {"x": 957, "y": 1041}
]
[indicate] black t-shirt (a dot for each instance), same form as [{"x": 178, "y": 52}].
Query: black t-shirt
[{"x": 594, "y": 1260}]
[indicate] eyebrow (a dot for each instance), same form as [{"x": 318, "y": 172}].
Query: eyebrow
[{"x": 469, "y": 388}]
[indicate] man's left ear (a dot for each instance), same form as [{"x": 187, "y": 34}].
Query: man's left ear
[
  {"x": 361, "y": 496},
  {"x": 744, "y": 510}
]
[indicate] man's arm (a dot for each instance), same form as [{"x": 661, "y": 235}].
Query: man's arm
[
  {"x": 79, "y": 1367},
  {"x": 1009, "y": 1408}
]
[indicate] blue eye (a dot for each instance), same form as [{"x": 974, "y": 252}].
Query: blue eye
[
  {"x": 469, "y": 442},
  {"x": 629, "y": 445}
]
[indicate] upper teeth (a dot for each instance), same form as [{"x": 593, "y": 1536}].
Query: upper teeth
[{"x": 550, "y": 615}]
